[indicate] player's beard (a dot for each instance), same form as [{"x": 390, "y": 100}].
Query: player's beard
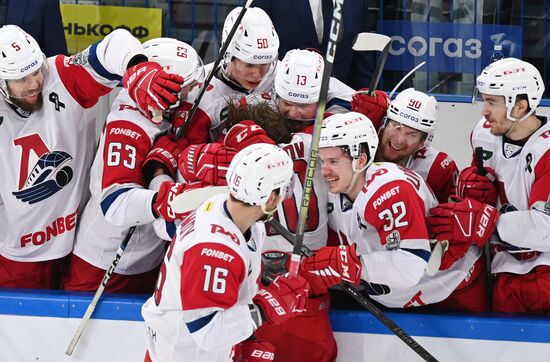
[{"x": 29, "y": 106}]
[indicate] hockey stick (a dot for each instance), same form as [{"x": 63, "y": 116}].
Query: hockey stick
[
  {"x": 98, "y": 293},
  {"x": 478, "y": 154},
  {"x": 440, "y": 247},
  {"x": 190, "y": 200},
  {"x": 372, "y": 42},
  {"x": 208, "y": 79},
  {"x": 334, "y": 38},
  {"x": 405, "y": 78},
  {"x": 184, "y": 202},
  {"x": 361, "y": 299}
]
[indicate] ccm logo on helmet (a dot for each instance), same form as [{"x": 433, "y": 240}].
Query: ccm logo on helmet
[
  {"x": 408, "y": 116},
  {"x": 28, "y": 66},
  {"x": 262, "y": 56},
  {"x": 298, "y": 95}
]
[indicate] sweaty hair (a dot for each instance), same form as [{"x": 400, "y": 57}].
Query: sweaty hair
[{"x": 264, "y": 116}]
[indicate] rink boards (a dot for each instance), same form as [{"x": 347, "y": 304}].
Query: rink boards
[{"x": 37, "y": 326}]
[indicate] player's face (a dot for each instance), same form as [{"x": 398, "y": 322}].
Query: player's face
[
  {"x": 399, "y": 142},
  {"x": 336, "y": 168},
  {"x": 494, "y": 110},
  {"x": 295, "y": 110},
  {"x": 247, "y": 75},
  {"x": 26, "y": 93}
]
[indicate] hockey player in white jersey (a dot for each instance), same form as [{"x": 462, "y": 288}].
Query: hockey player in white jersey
[
  {"x": 207, "y": 298},
  {"x": 405, "y": 139},
  {"x": 309, "y": 338},
  {"x": 515, "y": 146},
  {"x": 248, "y": 67},
  {"x": 379, "y": 208},
  {"x": 47, "y": 130},
  {"x": 124, "y": 192}
]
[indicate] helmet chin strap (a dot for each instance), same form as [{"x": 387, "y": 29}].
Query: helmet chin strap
[
  {"x": 515, "y": 120},
  {"x": 356, "y": 174},
  {"x": 269, "y": 214}
]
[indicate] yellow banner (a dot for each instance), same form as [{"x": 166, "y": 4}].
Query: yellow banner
[{"x": 86, "y": 24}]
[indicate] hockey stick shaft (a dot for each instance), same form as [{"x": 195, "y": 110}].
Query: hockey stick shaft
[
  {"x": 98, "y": 293},
  {"x": 334, "y": 37},
  {"x": 478, "y": 155},
  {"x": 378, "y": 70},
  {"x": 411, "y": 72},
  {"x": 361, "y": 299},
  {"x": 223, "y": 49}
]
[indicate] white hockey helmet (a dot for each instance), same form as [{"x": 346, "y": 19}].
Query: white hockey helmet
[
  {"x": 175, "y": 57},
  {"x": 257, "y": 170},
  {"x": 298, "y": 78},
  {"x": 20, "y": 56},
  {"x": 255, "y": 41},
  {"x": 350, "y": 130},
  {"x": 510, "y": 77},
  {"x": 415, "y": 109}
]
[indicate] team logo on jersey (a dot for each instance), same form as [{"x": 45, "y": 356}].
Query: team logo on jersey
[
  {"x": 393, "y": 240},
  {"x": 80, "y": 58},
  {"x": 330, "y": 207},
  {"x": 511, "y": 150},
  {"x": 50, "y": 173},
  {"x": 251, "y": 244}
]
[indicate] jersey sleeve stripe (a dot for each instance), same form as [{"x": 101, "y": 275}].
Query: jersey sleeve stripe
[
  {"x": 98, "y": 67},
  {"x": 339, "y": 102},
  {"x": 199, "y": 323},
  {"x": 108, "y": 200},
  {"x": 421, "y": 253},
  {"x": 171, "y": 229}
]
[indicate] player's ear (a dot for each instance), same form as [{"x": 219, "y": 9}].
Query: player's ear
[{"x": 361, "y": 161}]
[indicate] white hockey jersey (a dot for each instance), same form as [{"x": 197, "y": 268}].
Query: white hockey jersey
[
  {"x": 46, "y": 154},
  {"x": 437, "y": 169},
  {"x": 213, "y": 105},
  {"x": 208, "y": 279},
  {"x": 523, "y": 172},
  {"x": 315, "y": 235},
  {"x": 119, "y": 199},
  {"x": 386, "y": 221}
]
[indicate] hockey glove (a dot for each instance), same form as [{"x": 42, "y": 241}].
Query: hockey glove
[
  {"x": 466, "y": 221},
  {"x": 258, "y": 350},
  {"x": 165, "y": 153},
  {"x": 374, "y": 107},
  {"x": 206, "y": 162},
  {"x": 282, "y": 299},
  {"x": 151, "y": 87},
  {"x": 477, "y": 187},
  {"x": 244, "y": 134},
  {"x": 162, "y": 200},
  {"x": 330, "y": 266}
]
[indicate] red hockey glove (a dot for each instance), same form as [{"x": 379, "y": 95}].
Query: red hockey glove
[
  {"x": 165, "y": 153},
  {"x": 161, "y": 202},
  {"x": 374, "y": 106},
  {"x": 257, "y": 350},
  {"x": 480, "y": 188},
  {"x": 282, "y": 299},
  {"x": 206, "y": 162},
  {"x": 455, "y": 251},
  {"x": 244, "y": 134},
  {"x": 465, "y": 221},
  {"x": 151, "y": 87},
  {"x": 330, "y": 266}
]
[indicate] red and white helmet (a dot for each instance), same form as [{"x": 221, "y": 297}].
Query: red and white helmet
[
  {"x": 21, "y": 56},
  {"x": 298, "y": 78},
  {"x": 415, "y": 109},
  {"x": 175, "y": 57},
  {"x": 350, "y": 130},
  {"x": 510, "y": 77},
  {"x": 257, "y": 170},
  {"x": 255, "y": 41}
]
